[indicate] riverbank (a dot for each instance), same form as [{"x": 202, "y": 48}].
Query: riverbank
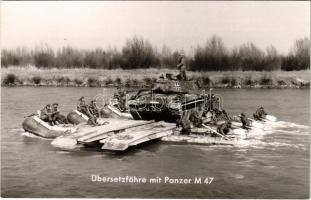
[{"x": 79, "y": 77}]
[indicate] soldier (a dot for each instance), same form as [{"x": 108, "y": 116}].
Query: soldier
[
  {"x": 46, "y": 114},
  {"x": 245, "y": 121},
  {"x": 93, "y": 109},
  {"x": 182, "y": 66},
  {"x": 225, "y": 115},
  {"x": 121, "y": 97},
  {"x": 84, "y": 108},
  {"x": 224, "y": 128},
  {"x": 216, "y": 116},
  {"x": 213, "y": 102},
  {"x": 184, "y": 122},
  {"x": 56, "y": 116},
  {"x": 259, "y": 114},
  {"x": 196, "y": 116}
]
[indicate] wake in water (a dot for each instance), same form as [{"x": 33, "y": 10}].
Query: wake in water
[
  {"x": 286, "y": 125},
  {"x": 30, "y": 135},
  {"x": 257, "y": 138},
  {"x": 22, "y": 132}
]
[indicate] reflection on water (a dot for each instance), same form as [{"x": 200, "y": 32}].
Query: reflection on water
[{"x": 271, "y": 164}]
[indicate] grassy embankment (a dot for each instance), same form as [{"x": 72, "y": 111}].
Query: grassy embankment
[{"x": 79, "y": 77}]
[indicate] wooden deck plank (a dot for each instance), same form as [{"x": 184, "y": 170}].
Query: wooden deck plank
[
  {"x": 129, "y": 138},
  {"x": 112, "y": 127}
]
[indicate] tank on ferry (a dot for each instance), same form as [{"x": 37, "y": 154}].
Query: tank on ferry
[{"x": 167, "y": 98}]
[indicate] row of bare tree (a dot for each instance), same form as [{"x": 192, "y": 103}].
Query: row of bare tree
[{"x": 139, "y": 53}]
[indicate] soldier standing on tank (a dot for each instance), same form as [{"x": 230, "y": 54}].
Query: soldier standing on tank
[{"x": 182, "y": 66}]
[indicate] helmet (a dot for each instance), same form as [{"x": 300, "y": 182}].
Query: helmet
[{"x": 48, "y": 106}]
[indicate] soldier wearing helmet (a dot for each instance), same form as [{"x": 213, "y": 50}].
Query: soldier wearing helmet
[
  {"x": 94, "y": 109},
  {"x": 182, "y": 66},
  {"x": 56, "y": 116},
  {"x": 259, "y": 114},
  {"x": 84, "y": 108},
  {"x": 46, "y": 114},
  {"x": 245, "y": 121},
  {"x": 224, "y": 128}
]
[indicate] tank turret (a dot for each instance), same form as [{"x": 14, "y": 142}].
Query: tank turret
[{"x": 171, "y": 85}]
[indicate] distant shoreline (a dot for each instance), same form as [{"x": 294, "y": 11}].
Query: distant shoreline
[{"x": 144, "y": 78}]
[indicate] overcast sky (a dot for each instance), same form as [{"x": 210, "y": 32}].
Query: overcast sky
[{"x": 179, "y": 25}]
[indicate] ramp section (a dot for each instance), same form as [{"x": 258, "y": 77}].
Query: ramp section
[
  {"x": 124, "y": 140},
  {"x": 113, "y": 126},
  {"x": 86, "y": 134}
]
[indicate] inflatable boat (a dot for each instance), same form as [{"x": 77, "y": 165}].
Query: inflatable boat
[
  {"x": 36, "y": 126},
  {"x": 111, "y": 111},
  {"x": 76, "y": 117}
]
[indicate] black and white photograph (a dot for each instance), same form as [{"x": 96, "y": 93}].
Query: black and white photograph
[{"x": 155, "y": 99}]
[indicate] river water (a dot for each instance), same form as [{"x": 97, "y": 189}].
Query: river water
[{"x": 270, "y": 164}]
